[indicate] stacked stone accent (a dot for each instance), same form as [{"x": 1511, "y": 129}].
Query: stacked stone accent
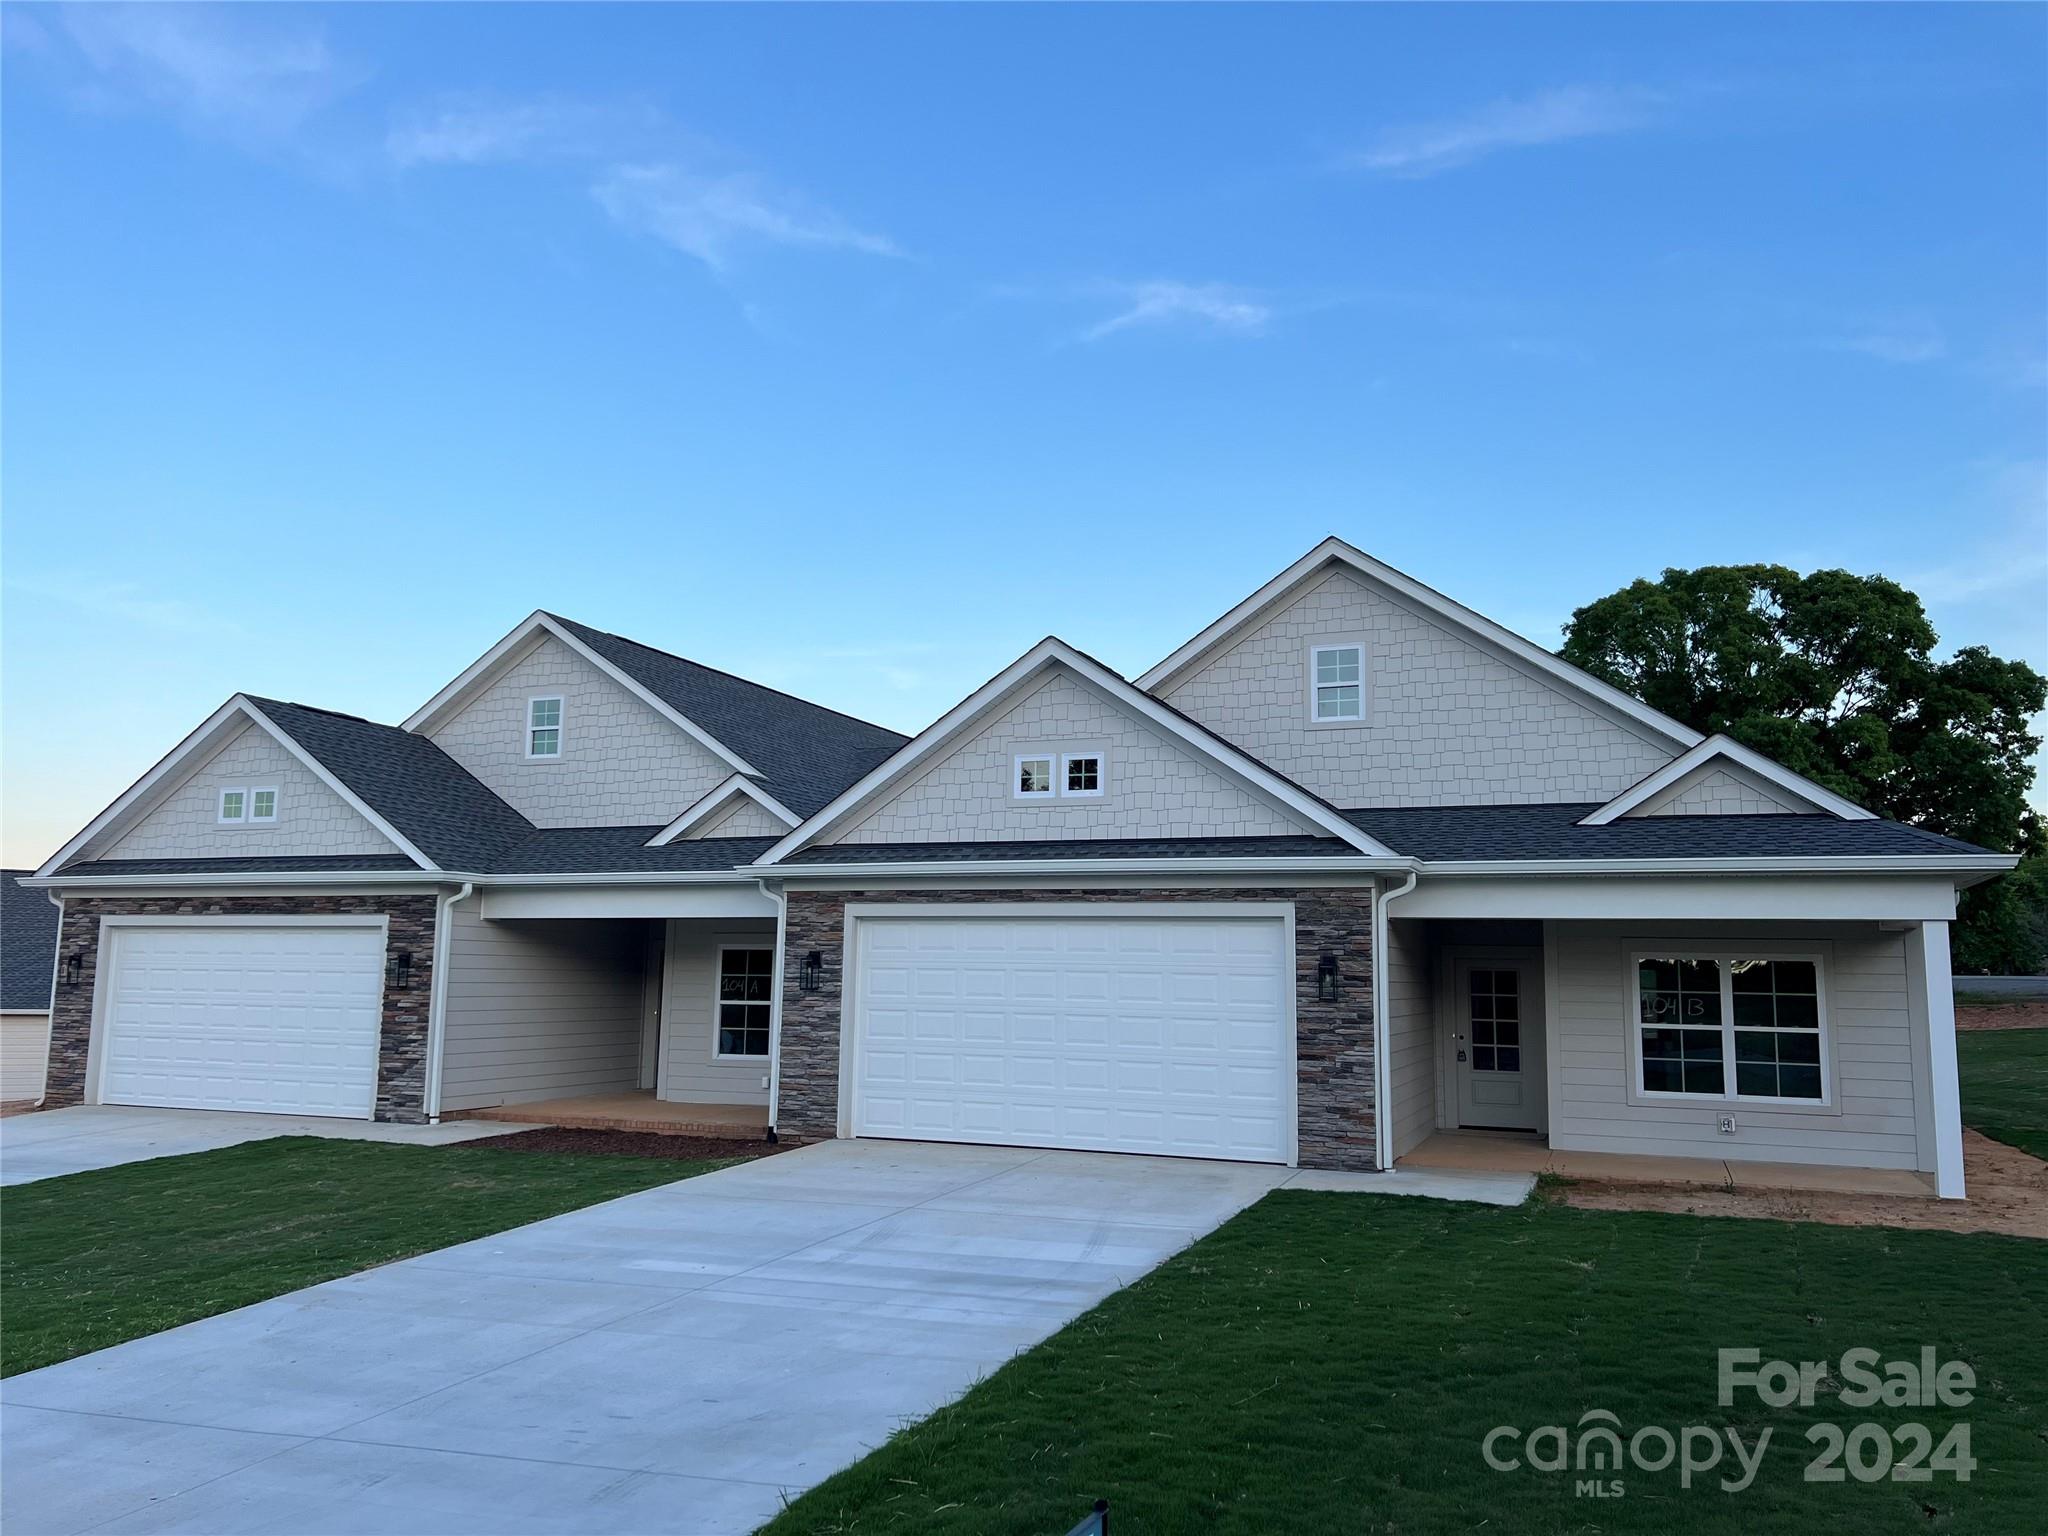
[
  {"x": 1334, "y": 1043},
  {"x": 402, "y": 1039}
]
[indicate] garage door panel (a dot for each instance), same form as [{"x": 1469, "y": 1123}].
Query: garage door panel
[
  {"x": 1166, "y": 1036},
  {"x": 280, "y": 1020}
]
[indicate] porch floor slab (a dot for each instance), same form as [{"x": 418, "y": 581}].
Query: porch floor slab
[
  {"x": 633, "y": 1111},
  {"x": 1507, "y": 1152}
]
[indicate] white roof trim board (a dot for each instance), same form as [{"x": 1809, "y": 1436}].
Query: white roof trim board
[
  {"x": 1646, "y": 790},
  {"x": 1050, "y": 652},
  {"x": 717, "y": 799},
  {"x": 485, "y": 669},
  {"x": 156, "y": 785},
  {"x": 1494, "y": 636}
]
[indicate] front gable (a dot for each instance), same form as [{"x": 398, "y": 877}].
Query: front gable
[
  {"x": 1455, "y": 710},
  {"x": 1721, "y": 777},
  {"x": 1722, "y": 790},
  {"x": 622, "y": 761},
  {"x": 1151, "y": 787}
]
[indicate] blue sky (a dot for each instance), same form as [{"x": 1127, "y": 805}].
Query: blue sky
[{"x": 853, "y": 349}]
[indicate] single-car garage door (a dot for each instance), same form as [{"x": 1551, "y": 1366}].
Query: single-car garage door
[
  {"x": 1169, "y": 1035},
  {"x": 279, "y": 1019}
]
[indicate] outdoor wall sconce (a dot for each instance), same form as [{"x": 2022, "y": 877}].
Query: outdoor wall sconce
[
  {"x": 74, "y": 968},
  {"x": 812, "y": 970},
  {"x": 1326, "y": 978},
  {"x": 401, "y": 970}
]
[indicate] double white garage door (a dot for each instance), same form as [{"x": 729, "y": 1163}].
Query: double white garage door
[
  {"x": 278, "y": 1019},
  {"x": 1167, "y": 1035}
]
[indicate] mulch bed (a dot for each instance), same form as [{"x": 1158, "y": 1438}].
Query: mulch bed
[
  {"x": 626, "y": 1144},
  {"x": 2021, "y": 1013}
]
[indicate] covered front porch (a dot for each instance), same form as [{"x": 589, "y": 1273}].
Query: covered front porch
[
  {"x": 1772, "y": 1033},
  {"x": 643, "y": 1008}
]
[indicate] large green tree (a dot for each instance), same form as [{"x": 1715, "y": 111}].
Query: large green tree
[{"x": 1834, "y": 675}]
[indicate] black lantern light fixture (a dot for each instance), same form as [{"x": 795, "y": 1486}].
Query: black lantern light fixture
[
  {"x": 1326, "y": 978},
  {"x": 74, "y": 968},
  {"x": 401, "y": 970},
  {"x": 812, "y": 970}
]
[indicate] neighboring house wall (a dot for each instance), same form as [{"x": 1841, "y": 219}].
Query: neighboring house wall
[
  {"x": 24, "y": 1049},
  {"x": 1881, "y": 1069},
  {"x": 540, "y": 1009},
  {"x": 621, "y": 764},
  {"x": 1447, "y": 721},
  {"x": 691, "y": 1071},
  {"x": 1153, "y": 787},
  {"x": 742, "y": 818},
  {"x": 1411, "y": 1034},
  {"x": 312, "y": 820},
  {"x": 1723, "y": 790}
]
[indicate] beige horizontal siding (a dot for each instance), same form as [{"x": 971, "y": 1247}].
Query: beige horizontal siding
[{"x": 690, "y": 1071}]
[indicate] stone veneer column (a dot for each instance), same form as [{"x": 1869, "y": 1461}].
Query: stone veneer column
[
  {"x": 402, "y": 1036},
  {"x": 1333, "y": 1041}
]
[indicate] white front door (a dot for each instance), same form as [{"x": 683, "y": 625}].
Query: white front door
[
  {"x": 1497, "y": 1044},
  {"x": 279, "y": 1019},
  {"x": 1168, "y": 1035}
]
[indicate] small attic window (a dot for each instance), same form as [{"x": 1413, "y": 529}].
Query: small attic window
[
  {"x": 1336, "y": 684},
  {"x": 1031, "y": 777},
  {"x": 234, "y": 806},
  {"x": 544, "y": 727}
]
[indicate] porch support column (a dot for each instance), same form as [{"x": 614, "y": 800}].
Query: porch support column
[{"x": 1931, "y": 992}]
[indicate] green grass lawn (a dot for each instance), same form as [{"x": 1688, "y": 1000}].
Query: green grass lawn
[
  {"x": 2005, "y": 1085},
  {"x": 92, "y": 1259},
  {"x": 1332, "y": 1363}
]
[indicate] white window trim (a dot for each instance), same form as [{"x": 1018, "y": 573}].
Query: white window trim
[
  {"x": 1052, "y": 774},
  {"x": 561, "y": 721},
  {"x": 221, "y": 817},
  {"x": 1638, "y": 1094},
  {"x": 276, "y": 799},
  {"x": 1341, "y": 722},
  {"x": 1101, "y": 776},
  {"x": 717, "y": 979}
]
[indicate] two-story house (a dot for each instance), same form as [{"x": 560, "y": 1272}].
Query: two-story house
[{"x": 1353, "y": 868}]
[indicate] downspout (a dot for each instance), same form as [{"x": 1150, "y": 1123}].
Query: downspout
[
  {"x": 775, "y": 1004},
  {"x": 437, "y": 998},
  {"x": 1382, "y": 1120}
]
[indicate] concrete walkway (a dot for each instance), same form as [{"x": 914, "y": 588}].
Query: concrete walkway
[
  {"x": 60, "y": 1141},
  {"x": 674, "y": 1361}
]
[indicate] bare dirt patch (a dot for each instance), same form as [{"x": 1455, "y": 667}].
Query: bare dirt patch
[
  {"x": 17, "y": 1107},
  {"x": 2028, "y": 1013},
  {"x": 625, "y": 1144},
  {"x": 2008, "y": 1194}
]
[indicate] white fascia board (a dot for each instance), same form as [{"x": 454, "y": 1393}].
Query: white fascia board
[
  {"x": 966, "y": 869},
  {"x": 355, "y": 802},
  {"x": 1678, "y": 901},
  {"x": 201, "y": 882},
  {"x": 1432, "y": 601},
  {"x": 1647, "y": 789},
  {"x": 1981, "y": 866},
  {"x": 143, "y": 794},
  {"x": 709, "y": 804},
  {"x": 486, "y": 667},
  {"x": 1046, "y": 653}
]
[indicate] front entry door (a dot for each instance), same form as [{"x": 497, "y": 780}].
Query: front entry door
[{"x": 1497, "y": 1045}]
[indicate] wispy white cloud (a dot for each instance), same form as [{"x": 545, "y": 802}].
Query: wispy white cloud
[
  {"x": 482, "y": 130},
  {"x": 1912, "y": 340},
  {"x": 254, "y": 73},
  {"x": 1161, "y": 302},
  {"x": 125, "y": 602},
  {"x": 1415, "y": 150},
  {"x": 709, "y": 215}
]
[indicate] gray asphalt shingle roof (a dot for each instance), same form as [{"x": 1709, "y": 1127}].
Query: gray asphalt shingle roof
[
  {"x": 1549, "y": 831},
  {"x": 580, "y": 850},
  {"x": 806, "y": 753},
  {"x": 28, "y": 945}
]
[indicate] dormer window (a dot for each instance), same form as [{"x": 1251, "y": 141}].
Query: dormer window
[
  {"x": 1336, "y": 684},
  {"x": 544, "y": 727}
]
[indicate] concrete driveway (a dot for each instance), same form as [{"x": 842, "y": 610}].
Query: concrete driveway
[
  {"x": 676, "y": 1361},
  {"x": 86, "y": 1136}
]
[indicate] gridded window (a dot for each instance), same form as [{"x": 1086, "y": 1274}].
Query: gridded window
[
  {"x": 1082, "y": 774},
  {"x": 1496, "y": 1021},
  {"x": 1034, "y": 777},
  {"x": 234, "y": 805},
  {"x": 1777, "y": 1028},
  {"x": 746, "y": 986},
  {"x": 1730, "y": 1026},
  {"x": 1339, "y": 681},
  {"x": 544, "y": 728},
  {"x": 263, "y": 805}
]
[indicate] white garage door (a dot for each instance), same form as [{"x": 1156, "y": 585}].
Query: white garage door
[
  {"x": 282, "y": 1020},
  {"x": 1116, "y": 1034}
]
